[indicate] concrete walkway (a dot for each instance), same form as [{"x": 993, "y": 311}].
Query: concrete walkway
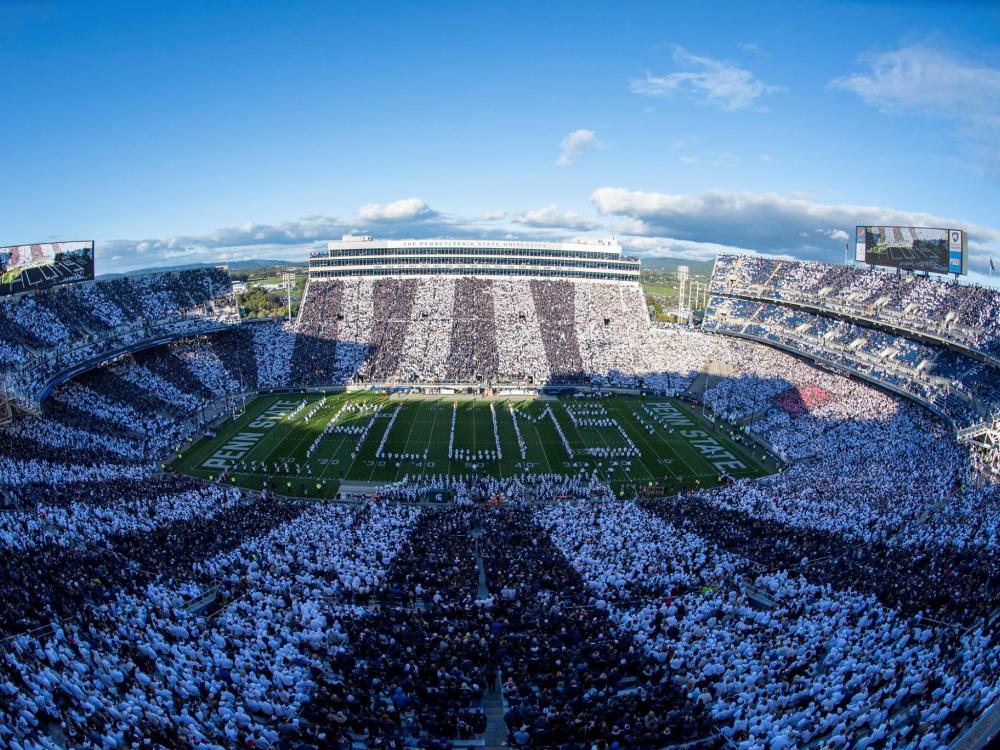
[
  {"x": 484, "y": 592},
  {"x": 496, "y": 731},
  {"x": 493, "y": 706}
]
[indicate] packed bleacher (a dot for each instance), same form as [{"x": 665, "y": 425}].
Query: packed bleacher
[
  {"x": 849, "y": 601},
  {"x": 777, "y": 659},
  {"x": 44, "y": 334},
  {"x": 472, "y": 348},
  {"x": 443, "y": 329},
  {"x": 964, "y": 390},
  {"x": 894, "y": 361},
  {"x": 966, "y": 315}
]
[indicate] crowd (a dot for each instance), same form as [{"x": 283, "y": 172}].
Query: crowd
[
  {"x": 414, "y": 664},
  {"x": 445, "y": 329},
  {"x": 777, "y": 660},
  {"x": 472, "y": 354},
  {"x": 848, "y": 601},
  {"x": 964, "y": 397},
  {"x": 520, "y": 350},
  {"x": 839, "y": 507},
  {"x": 129, "y": 534},
  {"x": 965, "y": 314},
  {"x": 957, "y": 384},
  {"x": 316, "y": 336},
  {"x": 392, "y": 303},
  {"x": 354, "y": 327},
  {"x": 469, "y": 489},
  {"x": 141, "y": 667},
  {"x": 570, "y": 678},
  {"x": 612, "y": 330},
  {"x": 555, "y": 306},
  {"x": 51, "y": 331}
]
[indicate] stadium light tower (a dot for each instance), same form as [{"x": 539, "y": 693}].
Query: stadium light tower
[
  {"x": 695, "y": 293},
  {"x": 289, "y": 279},
  {"x": 682, "y": 277}
]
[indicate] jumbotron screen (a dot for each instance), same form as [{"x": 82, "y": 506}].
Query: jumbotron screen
[
  {"x": 25, "y": 268},
  {"x": 912, "y": 248}
]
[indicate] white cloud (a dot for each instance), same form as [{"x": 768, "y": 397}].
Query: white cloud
[
  {"x": 284, "y": 233},
  {"x": 712, "y": 158},
  {"x": 925, "y": 79},
  {"x": 765, "y": 158},
  {"x": 406, "y": 209},
  {"x": 294, "y": 240},
  {"x": 768, "y": 222},
  {"x": 751, "y": 48},
  {"x": 575, "y": 144},
  {"x": 284, "y": 240},
  {"x": 628, "y": 225},
  {"x": 551, "y": 217},
  {"x": 669, "y": 247},
  {"x": 716, "y": 82},
  {"x": 694, "y": 226},
  {"x": 289, "y": 239}
]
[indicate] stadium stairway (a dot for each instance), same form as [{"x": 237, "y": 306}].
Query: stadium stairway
[
  {"x": 704, "y": 379},
  {"x": 57, "y": 735},
  {"x": 493, "y": 704},
  {"x": 484, "y": 592},
  {"x": 984, "y": 732},
  {"x": 757, "y": 415},
  {"x": 494, "y": 708}
]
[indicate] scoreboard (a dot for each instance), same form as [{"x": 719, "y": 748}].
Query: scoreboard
[
  {"x": 913, "y": 248},
  {"x": 25, "y": 268}
]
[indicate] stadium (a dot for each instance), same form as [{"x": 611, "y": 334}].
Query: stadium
[{"x": 472, "y": 497}]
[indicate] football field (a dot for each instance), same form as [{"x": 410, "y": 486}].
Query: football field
[{"x": 308, "y": 444}]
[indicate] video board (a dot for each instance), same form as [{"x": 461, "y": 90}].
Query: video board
[
  {"x": 912, "y": 248},
  {"x": 25, "y": 268}
]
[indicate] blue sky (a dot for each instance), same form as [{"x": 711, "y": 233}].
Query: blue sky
[{"x": 178, "y": 132}]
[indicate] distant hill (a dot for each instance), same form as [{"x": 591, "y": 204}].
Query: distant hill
[
  {"x": 236, "y": 265},
  {"x": 697, "y": 267},
  {"x": 243, "y": 265}
]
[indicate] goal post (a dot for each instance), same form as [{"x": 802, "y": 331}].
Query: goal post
[{"x": 237, "y": 405}]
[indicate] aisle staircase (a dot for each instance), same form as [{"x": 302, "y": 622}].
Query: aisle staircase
[
  {"x": 494, "y": 708},
  {"x": 711, "y": 373}
]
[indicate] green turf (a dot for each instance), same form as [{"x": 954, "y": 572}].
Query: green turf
[{"x": 263, "y": 433}]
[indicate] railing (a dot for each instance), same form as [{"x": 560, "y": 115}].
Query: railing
[
  {"x": 980, "y": 732},
  {"x": 196, "y": 605},
  {"x": 971, "y": 432},
  {"x": 27, "y": 390},
  {"x": 41, "y": 631},
  {"x": 897, "y": 323},
  {"x": 837, "y": 367}
]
